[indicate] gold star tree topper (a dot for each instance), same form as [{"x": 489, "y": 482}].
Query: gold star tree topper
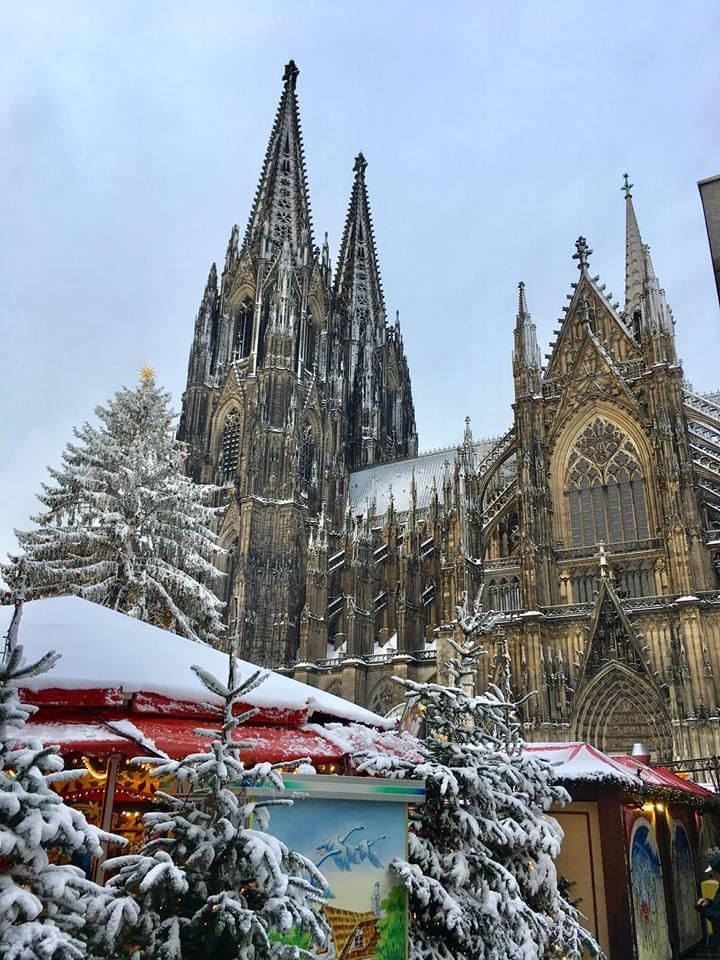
[{"x": 147, "y": 373}]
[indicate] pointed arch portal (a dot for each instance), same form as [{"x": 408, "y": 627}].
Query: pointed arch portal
[{"x": 619, "y": 708}]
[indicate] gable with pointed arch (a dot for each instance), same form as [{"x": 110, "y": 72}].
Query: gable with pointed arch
[{"x": 618, "y": 700}]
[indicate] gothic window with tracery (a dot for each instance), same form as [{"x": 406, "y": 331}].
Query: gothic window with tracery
[
  {"x": 242, "y": 336},
  {"x": 503, "y": 594},
  {"x": 230, "y": 446},
  {"x": 605, "y": 487},
  {"x": 307, "y": 456}
]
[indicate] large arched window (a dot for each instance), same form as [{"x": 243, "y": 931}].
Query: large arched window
[
  {"x": 605, "y": 487},
  {"x": 230, "y": 446}
]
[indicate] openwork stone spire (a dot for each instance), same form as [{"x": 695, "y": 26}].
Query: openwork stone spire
[
  {"x": 281, "y": 209},
  {"x": 357, "y": 280},
  {"x": 643, "y": 295}
]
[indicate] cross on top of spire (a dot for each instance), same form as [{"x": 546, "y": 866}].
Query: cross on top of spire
[
  {"x": 627, "y": 186},
  {"x": 360, "y": 163},
  {"x": 290, "y": 73},
  {"x": 582, "y": 253}
]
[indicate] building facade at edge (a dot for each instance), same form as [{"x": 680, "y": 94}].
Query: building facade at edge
[{"x": 592, "y": 524}]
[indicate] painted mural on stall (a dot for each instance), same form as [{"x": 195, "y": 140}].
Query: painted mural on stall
[
  {"x": 352, "y": 842},
  {"x": 651, "y": 926},
  {"x": 685, "y": 887},
  {"x": 709, "y": 834}
]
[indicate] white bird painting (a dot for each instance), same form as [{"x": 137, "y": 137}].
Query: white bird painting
[
  {"x": 339, "y": 851},
  {"x": 345, "y": 855}
]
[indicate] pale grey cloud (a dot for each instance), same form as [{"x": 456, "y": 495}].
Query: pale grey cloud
[{"x": 131, "y": 138}]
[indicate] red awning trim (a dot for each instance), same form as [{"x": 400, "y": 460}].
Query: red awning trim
[
  {"x": 88, "y": 697},
  {"x": 662, "y": 777},
  {"x": 177, "y": 738},
  {"x": 156, "y": 703}
]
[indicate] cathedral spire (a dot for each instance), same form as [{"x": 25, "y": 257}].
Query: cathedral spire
[
  {"x": 357, "y": 280},
  {"x": 634, "y": 256},
  {"x": 527, "y": 362},
  {"x": 646, "y": 308},
  {"x": 281, "y": 209}
]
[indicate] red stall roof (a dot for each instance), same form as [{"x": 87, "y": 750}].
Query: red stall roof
[
  {"x": 123, "y": 686},
  {"x": 108, "y": 659},
  {"x": 662, "y": 777}
]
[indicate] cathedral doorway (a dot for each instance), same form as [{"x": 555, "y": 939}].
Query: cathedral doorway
[{"x": 618, "y": 708}]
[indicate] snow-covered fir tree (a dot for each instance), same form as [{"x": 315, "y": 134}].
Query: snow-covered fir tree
[
  {"x": 211, "y": 882},
  {"x": 43, "y": 898},
  {"x": 123, "y": 526},
  {"x": 480, "y": 872}
]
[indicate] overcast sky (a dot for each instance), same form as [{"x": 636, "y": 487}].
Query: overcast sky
[{"x": 132, "y": 136}]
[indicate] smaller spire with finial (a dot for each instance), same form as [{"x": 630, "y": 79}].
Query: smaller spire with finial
[
  {"x": 582, "y": 253},
  {"x": 360, "y": 165},
  {"x": 522, "y": 302},
  {"x": 526, "y": 352}
]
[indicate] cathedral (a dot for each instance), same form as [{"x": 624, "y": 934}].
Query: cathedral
[{"x": 589, "y": 529}]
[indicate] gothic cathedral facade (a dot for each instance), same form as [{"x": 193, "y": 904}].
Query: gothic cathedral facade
[{"x": 591, "y": 528}]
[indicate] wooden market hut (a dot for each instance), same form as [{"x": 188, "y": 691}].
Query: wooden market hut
[{"x": 636, "y": 839}]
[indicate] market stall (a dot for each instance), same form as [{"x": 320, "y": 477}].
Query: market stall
[
  {"x": 635, "y": 840},
  {"x": 123, "y": 688}
]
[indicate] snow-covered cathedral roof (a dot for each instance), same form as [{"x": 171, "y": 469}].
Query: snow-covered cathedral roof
[
  {"x": 371, "y": 486},
  {"x": 103, "y": 650}
]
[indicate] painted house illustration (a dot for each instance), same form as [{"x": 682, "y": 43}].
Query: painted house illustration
[{"x": 354, "y": 935}]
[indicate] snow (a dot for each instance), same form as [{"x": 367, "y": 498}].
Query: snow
[
  {"x": 101, "y": 648},
  {"x": 390, "y": 645},
  {"x": 61, "y": 733},
  {"x": 573, "y": 762},
  {"x": 355, "y": 739},
  {"x": 127, "y": 728}
]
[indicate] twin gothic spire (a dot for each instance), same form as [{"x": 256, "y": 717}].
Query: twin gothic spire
[
  {"x": 357, "y": 280},
  {"x": 281, "y": 208},
  {"x": 280, "y": 215}
]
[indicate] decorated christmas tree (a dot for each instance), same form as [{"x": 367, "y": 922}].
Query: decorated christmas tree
[
  {"x": 211, "y": 882},
  {"x": 43, "y": 898},
  {"x": 480, "y": 873},
  {"x": 123, "y": 526}
]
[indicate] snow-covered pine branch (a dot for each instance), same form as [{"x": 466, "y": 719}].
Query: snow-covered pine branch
[
  {"x": 210, "y": 881},
  {"x": 123, "y": 526}
]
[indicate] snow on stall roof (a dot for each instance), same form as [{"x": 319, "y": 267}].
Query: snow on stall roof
[
  {"x": 61, "y": 733},
  {"x": 101, "y": 648},
  {"x": 574, "y": 762},
  {"x": 356, "y": 738},
  {"x": 661, "y": 776}
]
